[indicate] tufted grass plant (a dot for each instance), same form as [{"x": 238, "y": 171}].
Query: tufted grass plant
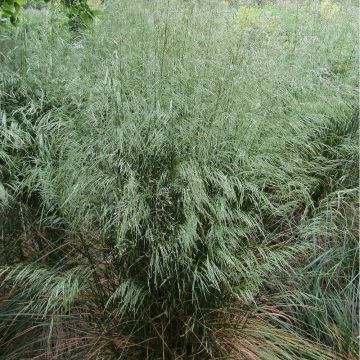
[{"x": 178, "y": 186}]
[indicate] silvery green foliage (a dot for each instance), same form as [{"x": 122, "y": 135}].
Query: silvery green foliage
[{"x": 171, "y": 188}]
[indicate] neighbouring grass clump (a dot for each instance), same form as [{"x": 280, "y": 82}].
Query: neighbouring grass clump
[{"x": 179, "y": 186}]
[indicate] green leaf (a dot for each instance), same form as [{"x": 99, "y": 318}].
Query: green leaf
[{"x": 14, "y": 20}]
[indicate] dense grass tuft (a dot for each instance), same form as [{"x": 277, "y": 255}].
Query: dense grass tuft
[{"x": 181, "y": 183}]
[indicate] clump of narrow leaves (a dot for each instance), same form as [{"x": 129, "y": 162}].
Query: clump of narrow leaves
[{"x": 180, "y": 187}]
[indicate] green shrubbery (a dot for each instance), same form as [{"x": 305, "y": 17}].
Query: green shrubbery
[
  {"x": 179, "y": 186},
  {"x": 78, "y": 12}
]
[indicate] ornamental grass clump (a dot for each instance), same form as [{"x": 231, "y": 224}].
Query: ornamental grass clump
[{"x": 180, "y": 187}]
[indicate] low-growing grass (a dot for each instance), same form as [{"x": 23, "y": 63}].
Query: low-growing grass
[{"x": 177, "y": 185}]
